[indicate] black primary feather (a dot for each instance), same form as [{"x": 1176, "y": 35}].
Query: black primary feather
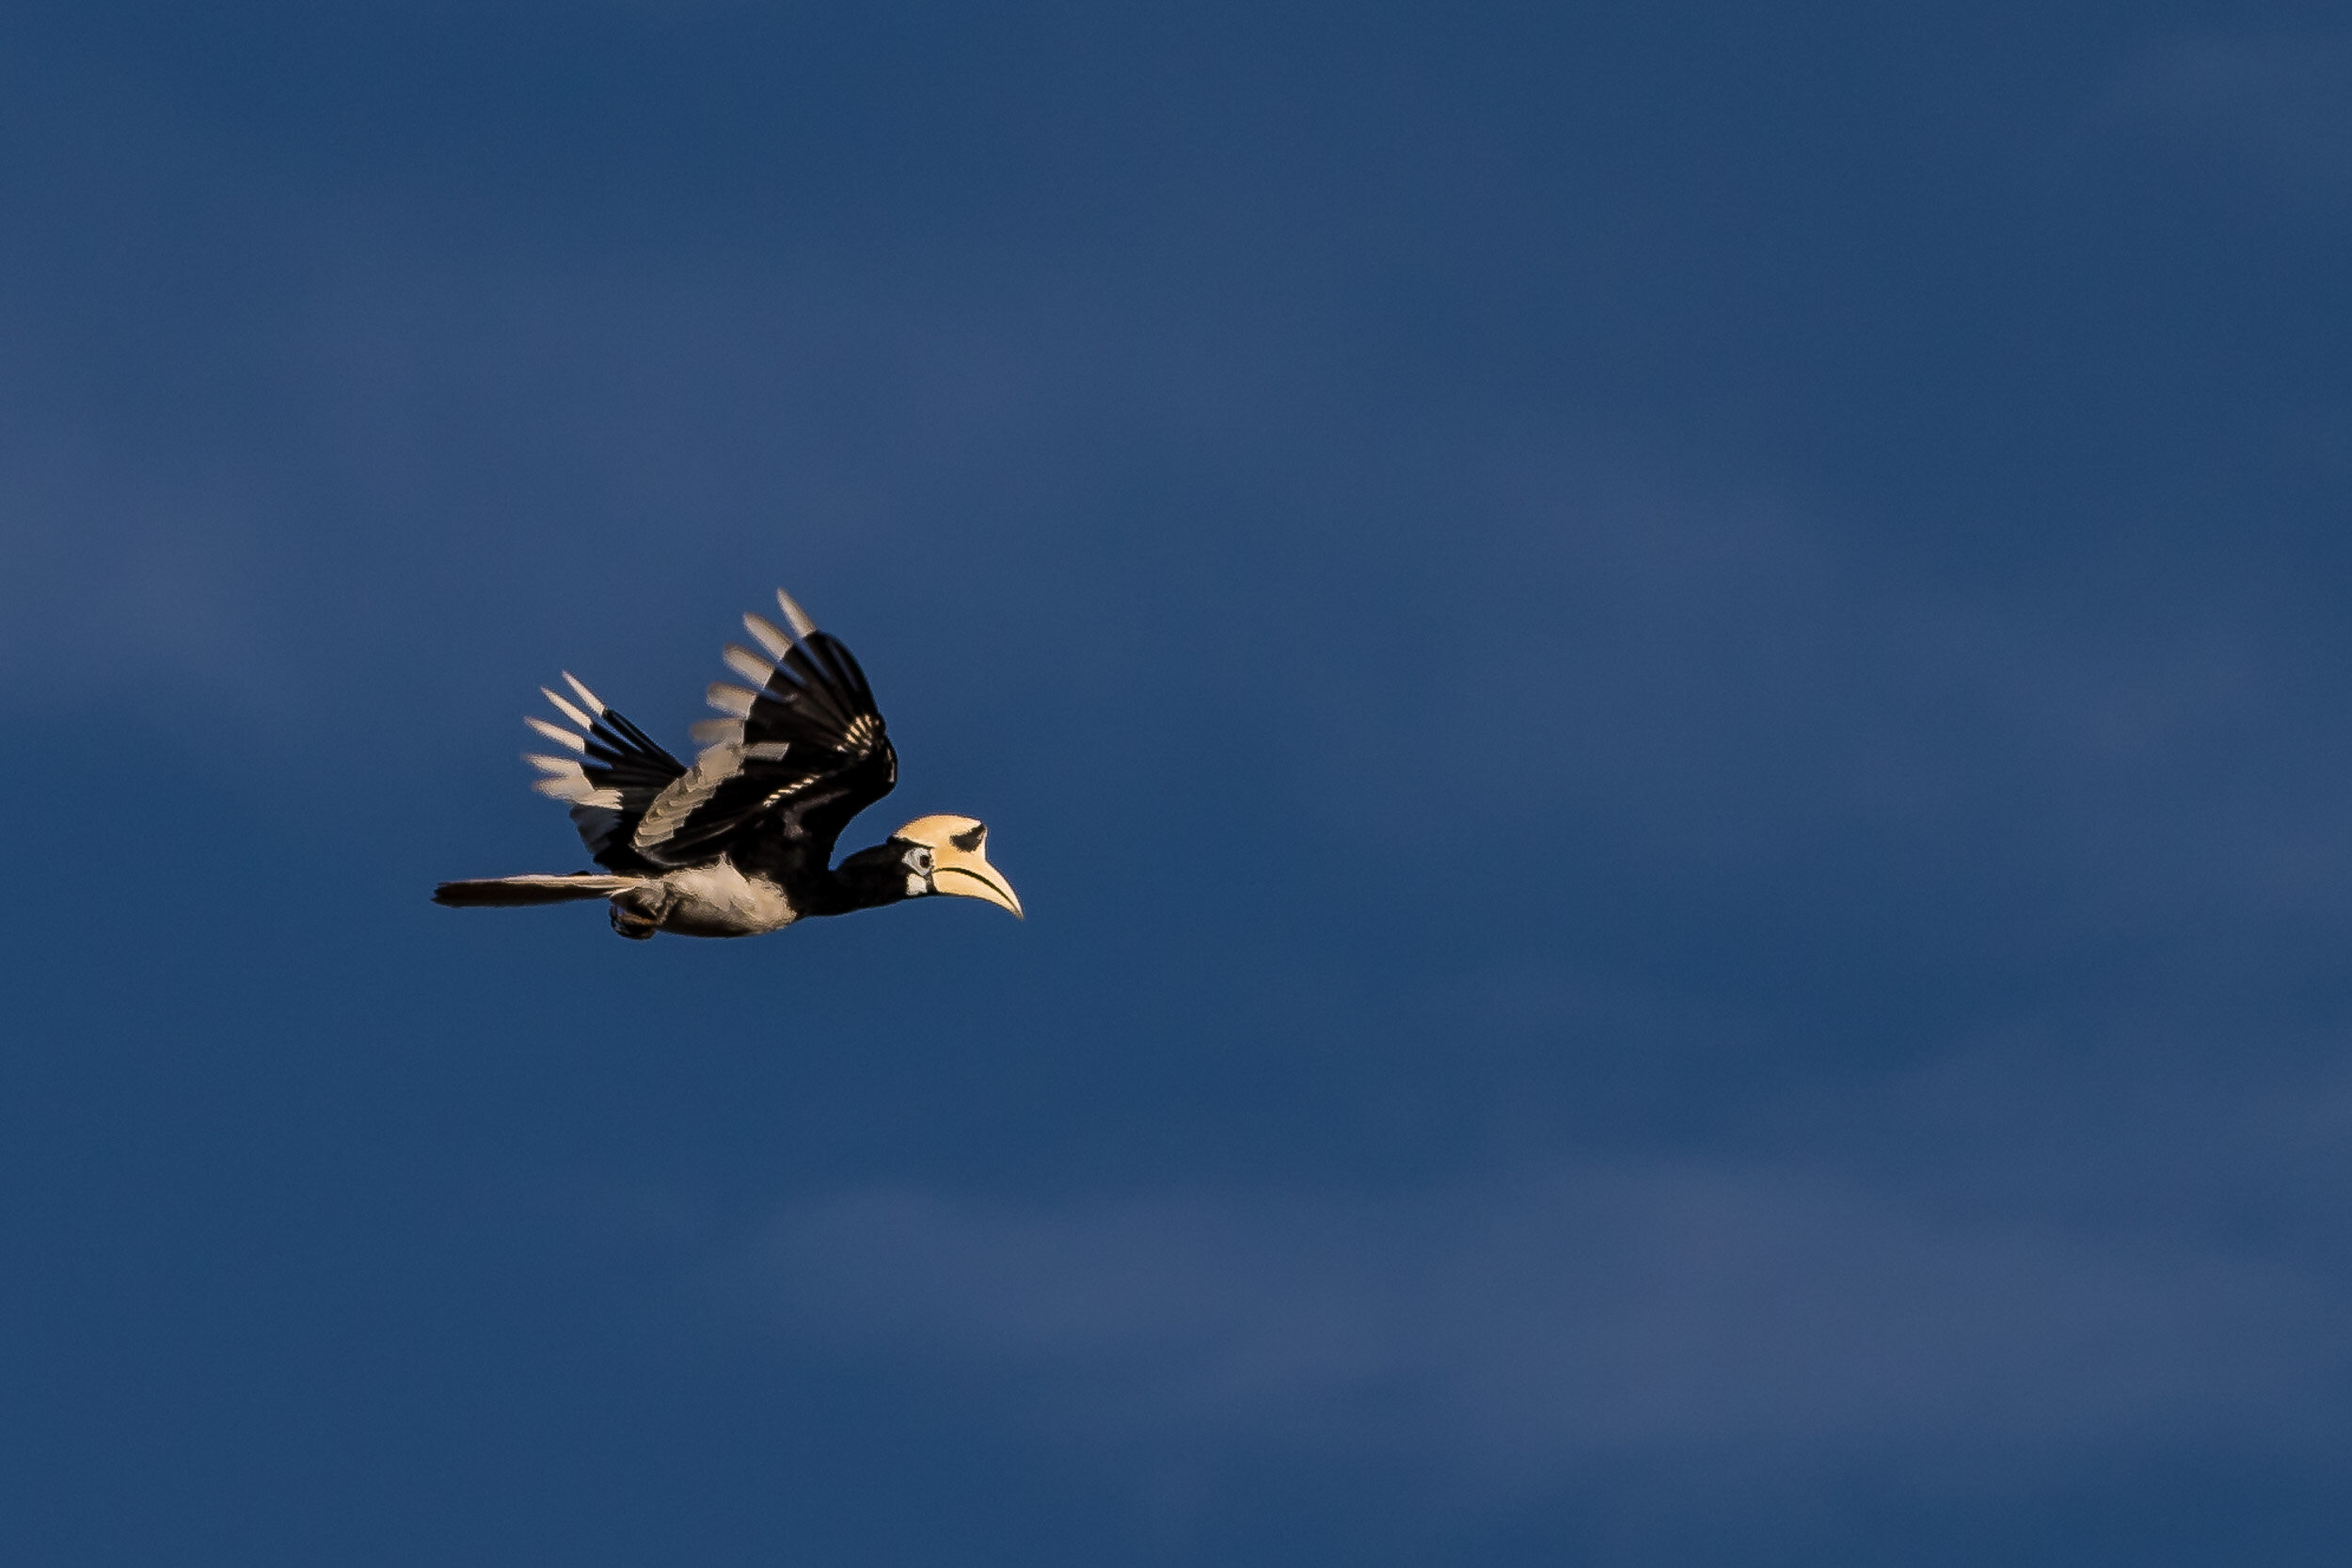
[
  {"x": 816, "y": 752},
  {"x": 623, "y": 758}
]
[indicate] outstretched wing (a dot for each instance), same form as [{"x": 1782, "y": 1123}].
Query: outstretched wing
[
  {"x": 614, "y": 772},
  {"x": 802, "y": 752}
]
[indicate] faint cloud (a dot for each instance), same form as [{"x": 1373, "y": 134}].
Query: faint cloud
[
  {"x": 114, "y": 575},
  {"x": 1776, "y": 1318},
  {"x": 2280, "y": 107},
  {"x": 1711, "y": 682}
]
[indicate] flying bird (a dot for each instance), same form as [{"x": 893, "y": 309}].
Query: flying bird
[{"x": 741, "y": 842}]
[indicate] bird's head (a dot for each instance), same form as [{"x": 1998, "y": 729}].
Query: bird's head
[{"x": 949, "y": 854}]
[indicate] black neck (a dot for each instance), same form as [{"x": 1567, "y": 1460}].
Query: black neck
[{"x": 865, "y": 881}]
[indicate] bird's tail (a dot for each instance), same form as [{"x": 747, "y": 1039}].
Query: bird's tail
[{"x": 488, "y": 893}]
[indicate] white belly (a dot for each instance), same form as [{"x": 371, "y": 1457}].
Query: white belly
[{"x": 719, "y": 901}]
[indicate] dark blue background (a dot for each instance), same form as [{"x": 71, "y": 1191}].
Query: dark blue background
[{"x": 1667, "y": 681}]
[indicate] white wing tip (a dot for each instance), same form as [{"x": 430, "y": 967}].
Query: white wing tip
[
  {"x": 576, "y": 792},
  {"x": 712, "y": 732},
  {"x": 748, "y": 664},
  {"x": 596, "y": 703},
  {"x": 775, "y": 642},
  {"x": 567, "y": 710},
  {"x": 557, "y": 733},
  {"x": 794, "y": 616}
]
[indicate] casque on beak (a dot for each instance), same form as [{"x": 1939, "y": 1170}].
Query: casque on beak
[
  {"x": 971, "y": 877},
  {"x": 959, "y": 846}
]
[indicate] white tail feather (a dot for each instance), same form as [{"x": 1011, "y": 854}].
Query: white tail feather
[
  {"x": 716, "y": 732},
  {"x": 730, "y": 699},
  {"x": 494, "y": 892}
]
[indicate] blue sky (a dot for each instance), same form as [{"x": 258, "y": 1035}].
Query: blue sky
[{"x": 1666, "y": 682}]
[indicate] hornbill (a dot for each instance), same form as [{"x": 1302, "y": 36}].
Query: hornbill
[{"x": 741, "y": 842}]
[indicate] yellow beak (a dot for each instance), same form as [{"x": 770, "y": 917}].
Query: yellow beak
[{"x": 967, "y": 874}]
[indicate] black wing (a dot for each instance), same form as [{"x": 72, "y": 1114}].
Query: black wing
[
  {"x": 803, "y": 752},
  {"x": 613, "y": 774}
]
